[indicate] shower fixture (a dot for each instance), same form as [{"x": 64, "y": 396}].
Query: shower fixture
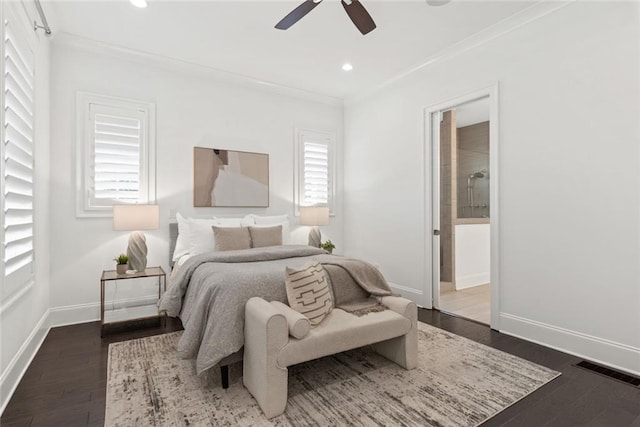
[
  {"x": 470, "y": 187},
  {"x": 480, "y": 174}
]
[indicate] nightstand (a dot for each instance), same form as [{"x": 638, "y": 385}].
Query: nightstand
[{"x": 114, "y": 315}]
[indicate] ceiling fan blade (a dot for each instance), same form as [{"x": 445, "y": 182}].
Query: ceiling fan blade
[
  {"x": 297, "y": 14},
  {"x": 359, "y": 15}
]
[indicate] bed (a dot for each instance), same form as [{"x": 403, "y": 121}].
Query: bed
[{"x": 209, "y": 290}]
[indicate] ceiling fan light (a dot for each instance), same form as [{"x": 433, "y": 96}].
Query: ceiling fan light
[
  {"x": 139, "y": 3},
  {"x": 347, "y": 67}
]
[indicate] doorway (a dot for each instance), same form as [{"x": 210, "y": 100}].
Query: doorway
[{"x": 463, "y": 140}]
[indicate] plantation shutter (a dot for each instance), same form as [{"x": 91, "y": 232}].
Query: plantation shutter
[
  {"x": 17, "y": 153},
  {"x": 316, "y": 175},
  {"x": 116, "y": 172}
]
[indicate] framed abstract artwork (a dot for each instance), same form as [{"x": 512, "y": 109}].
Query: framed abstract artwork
[{"x": 227, "y": 178}]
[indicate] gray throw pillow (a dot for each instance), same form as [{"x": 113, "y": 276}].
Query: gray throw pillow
[
  {"x": 265, "y": 236},
  {"x": 308, "y": 292},
  {"x": 231, "y": 238}
]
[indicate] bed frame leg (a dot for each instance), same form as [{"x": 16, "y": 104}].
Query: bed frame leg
[{"x": 224, "y": 373}]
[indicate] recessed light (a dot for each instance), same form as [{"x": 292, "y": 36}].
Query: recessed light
[
  {"x": 139, "y": 3},
  {"x": 347, "y": 67}
]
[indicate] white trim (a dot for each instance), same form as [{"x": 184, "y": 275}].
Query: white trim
[
  {"x": 432, "y": 216},
  {"x": 54, "y": 317},
  {"x": 82, "y": 156},
  {"x": 494, "y": 202},
  {"x": 78, "y": 42},
  {"x": 412, "y": 294},
  {"x": 90, "y": 312},
  {"x": 610, "y": 353},
  {"x": 511, "y": 23},
  {"x": 431, "y": 210},
  {"x": 472, "y": 280},
  {"x": 323, "y": 137},
  {"x": 507, "y": 25},
  {"x": 74, "y": 314},
  {"x": 16, "y": 369}
]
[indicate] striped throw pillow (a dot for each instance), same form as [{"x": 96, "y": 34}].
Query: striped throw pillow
[{"x": 308, "y": 292}]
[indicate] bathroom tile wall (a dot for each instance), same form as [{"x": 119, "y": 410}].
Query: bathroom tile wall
[{"x": 473, "y": 156}]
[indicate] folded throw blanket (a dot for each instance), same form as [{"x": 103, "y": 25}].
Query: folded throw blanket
[{"x": 357, "y": 286}]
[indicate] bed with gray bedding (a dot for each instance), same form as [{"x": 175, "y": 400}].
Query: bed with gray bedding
[{"x": 209, "y": 293}]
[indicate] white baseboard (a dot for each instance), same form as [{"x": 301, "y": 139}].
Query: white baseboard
[
  {"x": 58, "y": 316},
  {"x": 414, "y": 295},
  {"x": 472, "y": 280},
  {"x": 12, "y": 375},
  {"x": 83, "y": 313},
  {"x": 615, "y": 355},
  {"x": 73, "y": 314}
]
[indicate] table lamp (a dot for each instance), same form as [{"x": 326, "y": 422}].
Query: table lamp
[
  {"x": 135, "y": 218},
  {"x": 314, "y": 216}
]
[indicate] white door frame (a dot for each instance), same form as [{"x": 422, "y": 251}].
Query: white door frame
[{"x": 432, "y": 184}]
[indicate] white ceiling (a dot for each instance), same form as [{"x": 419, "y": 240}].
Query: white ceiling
[{"x": 239, "y": 36}]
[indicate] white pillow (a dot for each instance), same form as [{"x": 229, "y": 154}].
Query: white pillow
[
  {"x": 182, "y": 242},
  {"x": 200, "y": 235},
  {"x": 269, "y": 221},
  {"x": 274, "y": 219},
  {"x": 195, "y": 235},
  {"x": 235, "y": 222}
]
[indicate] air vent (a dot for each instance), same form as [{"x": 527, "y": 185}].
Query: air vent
[{"x": 608, "y": 372}]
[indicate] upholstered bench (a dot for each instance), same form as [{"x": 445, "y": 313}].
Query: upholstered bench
[{"x": 269, "y": 349}]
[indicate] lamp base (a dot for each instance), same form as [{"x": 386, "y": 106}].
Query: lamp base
[
  {"x": 314, "y": 237},
  {"x": 137, "y": 251}
]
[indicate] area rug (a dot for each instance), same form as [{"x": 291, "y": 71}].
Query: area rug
[{"x": 458, "y": 382}]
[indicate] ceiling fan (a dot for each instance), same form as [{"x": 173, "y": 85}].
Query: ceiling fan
[{"x": 356, "y": 11}]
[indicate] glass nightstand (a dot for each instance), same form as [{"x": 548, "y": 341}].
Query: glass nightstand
[{"x": 114, "y": 315}]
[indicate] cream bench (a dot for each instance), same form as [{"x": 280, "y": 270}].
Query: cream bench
[{"x": 269, "y": 349}]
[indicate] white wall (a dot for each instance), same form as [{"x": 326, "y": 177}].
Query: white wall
[
  {"x": 568, "y": 176},
  {"x": 473, "y": 261},
  {"x": 24, "y": 315},
  {"x": 193, "y": 109}
]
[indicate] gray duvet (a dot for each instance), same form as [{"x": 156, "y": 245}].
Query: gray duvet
[{"x": 209, "y": 293}]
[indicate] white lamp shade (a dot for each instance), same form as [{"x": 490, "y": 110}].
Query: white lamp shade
[
  {"x": 314, "y": 215},
  {"x": 136, "y": 217}
]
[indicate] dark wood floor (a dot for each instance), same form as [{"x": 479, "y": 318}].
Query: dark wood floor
[{"x": 65, "y": 384}]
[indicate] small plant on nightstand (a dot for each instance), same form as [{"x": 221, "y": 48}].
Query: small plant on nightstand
[
  {"x": 122, "y": 266},
  {"x": 328, "y": 246}
]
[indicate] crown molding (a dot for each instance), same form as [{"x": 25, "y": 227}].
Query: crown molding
[
  {"x": 507, "y": 25},
  {"x": 74, "y": 41},
  {"x": 499, "y": 29}
]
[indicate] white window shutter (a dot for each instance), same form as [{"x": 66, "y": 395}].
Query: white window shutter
[
  {"x": 18, "y": 154},
  {"x": 115, "y": 139},
  {"x": 315, "y": 172},
  {"x": 115, "y": 173}
]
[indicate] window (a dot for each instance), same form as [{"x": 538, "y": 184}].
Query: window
[
  {"x": 315, "y": 171},
  {"x": 116, "y": 146},
  {"x": 17, "y": 155}
]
